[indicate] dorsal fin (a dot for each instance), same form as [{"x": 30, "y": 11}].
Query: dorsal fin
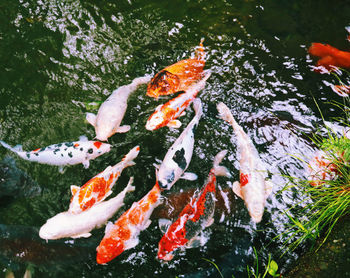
[{"x": 74, "y": 189}]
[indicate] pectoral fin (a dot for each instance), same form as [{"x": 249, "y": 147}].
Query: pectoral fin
[
  {"x": 86, "y": 163},
  {"x": 131, "y": 243},
  {"x": 174, "y": 124},
  {"x": 236, "y": 188},
  {"x": 109, "y": 226},
  {"x": 81, "y": 235},
  {"x": 74, "y": 189},
  {"x": 197, "y": 241},
  {"x": 189, "y": 176},
  {"x": 122, "y": 129},
  {"x": 164, "y": 224},
  {"x": 91, "y": 118}
]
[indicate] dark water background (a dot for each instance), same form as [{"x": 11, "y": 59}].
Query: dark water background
[{"x": 56, "y": 56}]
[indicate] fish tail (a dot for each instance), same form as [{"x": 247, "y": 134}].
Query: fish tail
[
  {"x": 197, "y": 106},
  {"x": 15, "y": 149},
  {"x": 132, "y": 154},
  {"x": 129, "y": 187},
  {"x": 322, "y": 50},
  {"x": 141, "y": 80},
  {"x": 220, "y": 170}
]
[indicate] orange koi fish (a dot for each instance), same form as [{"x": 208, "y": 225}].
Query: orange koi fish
[
  {"x": 178, "y": 76},
  {"x": 99, "y": 187},
  {"x": 330, "y": 56},
  {"x": 123, "y": 234},
  {"x": 167, "y": 114},
  {"x": 195, "y": 217}
]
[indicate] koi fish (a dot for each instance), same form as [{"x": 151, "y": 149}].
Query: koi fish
[
  {"x": 179, "y": 155},
  {"x": 123, "y": 234},
  {"x": 111, "y": 112},
  {"x": 195, "y": 217},
  {"x": 166, "y": 114},
  {"x": 253, "y": 187},
  {"x": 178, "y": 76},
  {"x": 330, "y": 56},
  {"x": 342, "y": 90},
  {"x": 66, "y": 224},
  {"x": 67, "y": 153},
  {"x": 99, "y": 187}
]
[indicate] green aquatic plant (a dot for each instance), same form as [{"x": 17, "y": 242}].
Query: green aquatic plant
[{"x": 325, "y": 193}]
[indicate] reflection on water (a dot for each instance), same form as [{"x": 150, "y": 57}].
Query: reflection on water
[{"x": 58, "y": 56}]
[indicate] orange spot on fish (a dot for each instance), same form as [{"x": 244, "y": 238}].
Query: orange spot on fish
[
  {"x": 76, "y": 145},
  {"x": 36, "y": 150},
  {"x": 243, "y": 179},
  {"x": 97, "y": 144}
]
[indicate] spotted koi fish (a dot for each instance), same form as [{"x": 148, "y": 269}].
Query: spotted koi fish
[
  {"x": 195, "y": 217},
  {"x": 66, "y": 224},
  {"x": 253, "y": 187},
  {"x": 99, "y": 187},
  {"x": 330, "y": 56},
  {"x": 111, "y": 112},
  {"x": 178, "y": 76},
  {"x": 123, "y": 234},
  {"x": 68, "y": 153},
  {"x": 179, "y": 155},
  {"x": 166, "y": 114}
]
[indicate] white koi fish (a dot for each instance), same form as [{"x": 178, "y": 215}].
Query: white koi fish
[
  {"x": 67, "y": 153},
  {"x": 167, "y": 114},
  {"x": 66, "y": 224},
  {"x": 179, "y": 155},
  {"x": 111, "y": 112},
  {"x": 124, "y": 233},
  {"x": 195, "y": 217},
  {"x": 253, "y": 187},
  {"x": 100, "y": 187}
]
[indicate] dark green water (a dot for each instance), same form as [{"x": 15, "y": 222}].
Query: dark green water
[{"x": 56, "y": 56}]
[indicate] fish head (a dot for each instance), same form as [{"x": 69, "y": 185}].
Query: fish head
[
  {"x": 165, "y": 248},
  {"x": 55, "y": 227},
  {"x": 163, "y": 83},
  {"x": 166, "y": 179},
  {"x": 108, "y": 249},
  {"x": 96, "y": 149}
]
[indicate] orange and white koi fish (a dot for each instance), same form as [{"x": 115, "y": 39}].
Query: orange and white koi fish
[
  {"x": 195, "y": 217},
  {"x": 123, "y": 234},
  {"x": 253, "y": 187},
  {"x": 66, "y": 224},
  {"x": 99, "y": 187},
  {"x": 111, "y": 112},
  {"x": 166, "y": 114},
  {"x": 180, "y": 153},
  {"x": 330, "y": 56},
  {"x": 67, "y": 153},
  {"x": 178, "y": 76}
]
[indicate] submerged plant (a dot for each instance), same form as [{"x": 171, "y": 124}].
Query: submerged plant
[{"x": 326, "y": 192}]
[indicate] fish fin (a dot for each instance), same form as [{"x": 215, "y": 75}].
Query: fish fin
[
  {"x": 164, "y": 224},
  {"x": 183, "y": 113},
  {"x": 91, "y": 119},
  {"x": 197, "y": 241},
  {"x": 86, "y": 163},
  {"x": 83, "y": 138},
  {"x": 132, "y": 154},
  {"x": 236, "y": 188},
  {"x": 108, "y": 194},
  {"x": 74, "y": 189},
  {"x": 129, "y": 187},
  {"x": 189, "y": 176},
  {"x": 210, "y": 222},
  {"x": 268, "y": 189},
  {"x": 17, "y": 148},
  {"x": 122, "y": 129},
  {"x": 61, "y": 169},
  {"x": 156, "y": 165},
  {"x": 146, "y": 225},
  {"x": 174, "y": 124},
  {"x": 131, "y": 243},
  {"x": 109, "y": 226},
  {"x": 222, "y": 171},
  {"x": 81, "y": 235}
]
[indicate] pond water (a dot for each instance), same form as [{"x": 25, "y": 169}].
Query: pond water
[{"x": 59, "y": 56}]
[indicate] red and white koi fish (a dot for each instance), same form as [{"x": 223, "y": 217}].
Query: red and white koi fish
[
  {"x": 330, "y": 56},
  {"x": 253, "y": 187},
  {"x": 178, "y": 76},
  {"x": 111, "y": 112},
  {"x": 123, "y": 234},
  {"x": 67, "y": 153},
  {"x": 66, "y": 224},
  {"x": 166, "y": 114},
  {"x": 99, "y": 187},
  {"x": 179, "y": 155},
  {"x": 195, "y": 217}
]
